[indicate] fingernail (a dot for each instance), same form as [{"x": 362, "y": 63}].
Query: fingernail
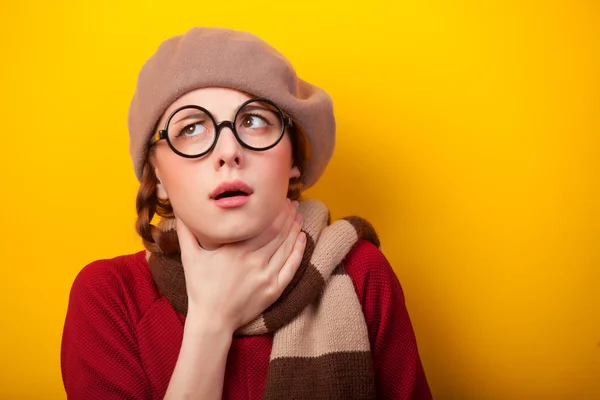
[
  {"x": 299, "y": 218},
  {"x": 296, "y": 205},
  {"x": 288, "y": 200},
  {"x": 302, "y": 237}
]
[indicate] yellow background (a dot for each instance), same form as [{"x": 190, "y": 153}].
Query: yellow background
[{"x": 468, "y": 135}]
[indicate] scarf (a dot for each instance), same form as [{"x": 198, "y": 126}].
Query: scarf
[{"x": 321, "y": 348}]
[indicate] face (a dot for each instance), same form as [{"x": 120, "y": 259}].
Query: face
[{"x": 192, "y": 185}]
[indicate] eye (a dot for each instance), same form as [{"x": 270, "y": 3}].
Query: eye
[
  {"x": 192, "y": 130},
  {"x": 254, "y": 121}
]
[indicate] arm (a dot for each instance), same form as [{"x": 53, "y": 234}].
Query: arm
[
  {"x": 204, "y": 349},
  {"x": 227, "y": 288},
  {"x": 398, "y": 370},
  {"x": 99, "y": 353},
  {"x": 100, "y": 356}
]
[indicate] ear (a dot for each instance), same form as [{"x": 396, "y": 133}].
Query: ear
[
  {"x": 161, "y": 192},
  {"x": 294, "y": 172}
]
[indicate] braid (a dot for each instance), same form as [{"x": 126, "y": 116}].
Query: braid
[
  {"x": 145, "y": 203},
  {"x": 148, "y": 205}
]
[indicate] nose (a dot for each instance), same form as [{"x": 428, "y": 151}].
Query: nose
[{"x": 227, "y": 151}]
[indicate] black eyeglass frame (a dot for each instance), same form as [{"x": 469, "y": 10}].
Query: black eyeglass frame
[{"x": 286, "y": 121}]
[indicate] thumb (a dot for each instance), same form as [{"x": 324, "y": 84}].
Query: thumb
[{"x": 187, "y": 240}]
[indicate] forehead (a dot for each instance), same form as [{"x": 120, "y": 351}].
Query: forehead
[{"x": 221, "y": 102}]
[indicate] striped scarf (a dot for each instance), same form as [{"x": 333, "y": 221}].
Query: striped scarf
[{"x": 321, "y": 348}]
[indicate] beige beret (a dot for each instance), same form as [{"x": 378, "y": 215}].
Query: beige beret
[{"x": 218, "y": 57}]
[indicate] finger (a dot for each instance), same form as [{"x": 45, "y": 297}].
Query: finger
[
  {"x": 291, "y": 265},
  {"x": 273, "y": 230},
  {"x": 187, "y": 240},
  {"x": 283, "y": 251},
  {"x": 292, "y": 224},
  {"x": 270, "y": 232}
]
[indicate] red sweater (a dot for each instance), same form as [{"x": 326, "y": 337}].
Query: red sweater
[{"x": 122, "y": 337}]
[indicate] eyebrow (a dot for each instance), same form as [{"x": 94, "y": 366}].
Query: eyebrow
[
  {"x": 256, "y": 107},
  {"x": 197, "y": 113},
  {"x": 248, "y": 107}
]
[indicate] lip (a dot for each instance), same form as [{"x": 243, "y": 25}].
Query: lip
[
  {"x": 231, "y": 202},
  {"x": 231, "y": 186}
]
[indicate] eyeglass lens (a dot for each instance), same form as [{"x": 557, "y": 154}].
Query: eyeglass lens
[{"x": 192, "y": 131}]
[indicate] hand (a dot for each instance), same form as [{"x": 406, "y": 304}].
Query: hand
[{"x": 238, "y": 281}]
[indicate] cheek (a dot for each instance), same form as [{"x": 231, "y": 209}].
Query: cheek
[
  {"x": 278, "y": 161},
  {"x": 179, "y": 176},
  {"x": 185, "y": 180}
]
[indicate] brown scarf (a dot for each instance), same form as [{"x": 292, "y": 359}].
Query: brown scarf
[{"x": 321, "y": 348}]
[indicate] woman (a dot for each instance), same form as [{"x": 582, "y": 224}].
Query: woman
[{"x": 243, "y": 292}]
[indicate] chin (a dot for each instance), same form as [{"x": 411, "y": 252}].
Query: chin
[
  {"x": 231, "y": 234},
  {"x": 235, "y": 225}
]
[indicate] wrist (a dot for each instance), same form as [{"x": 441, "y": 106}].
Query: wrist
[{"x": 208, "y": 321}]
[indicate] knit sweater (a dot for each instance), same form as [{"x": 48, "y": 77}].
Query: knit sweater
[{"x": 122, "y": 337}]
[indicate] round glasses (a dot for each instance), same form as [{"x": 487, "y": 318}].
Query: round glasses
[{"x": 191, "y": 131}]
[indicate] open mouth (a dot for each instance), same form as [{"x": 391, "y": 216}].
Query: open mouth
[
  {"x": 231, "y": 190},
  {"x": 231, "y": 193}
]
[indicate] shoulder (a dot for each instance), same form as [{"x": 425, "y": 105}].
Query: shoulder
[
  {"x": 371, "y": 271},
  {"x": 379, "y": 292},
  {"x": 100, "y": 355},
  {"x": 124, "y": 281}
]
